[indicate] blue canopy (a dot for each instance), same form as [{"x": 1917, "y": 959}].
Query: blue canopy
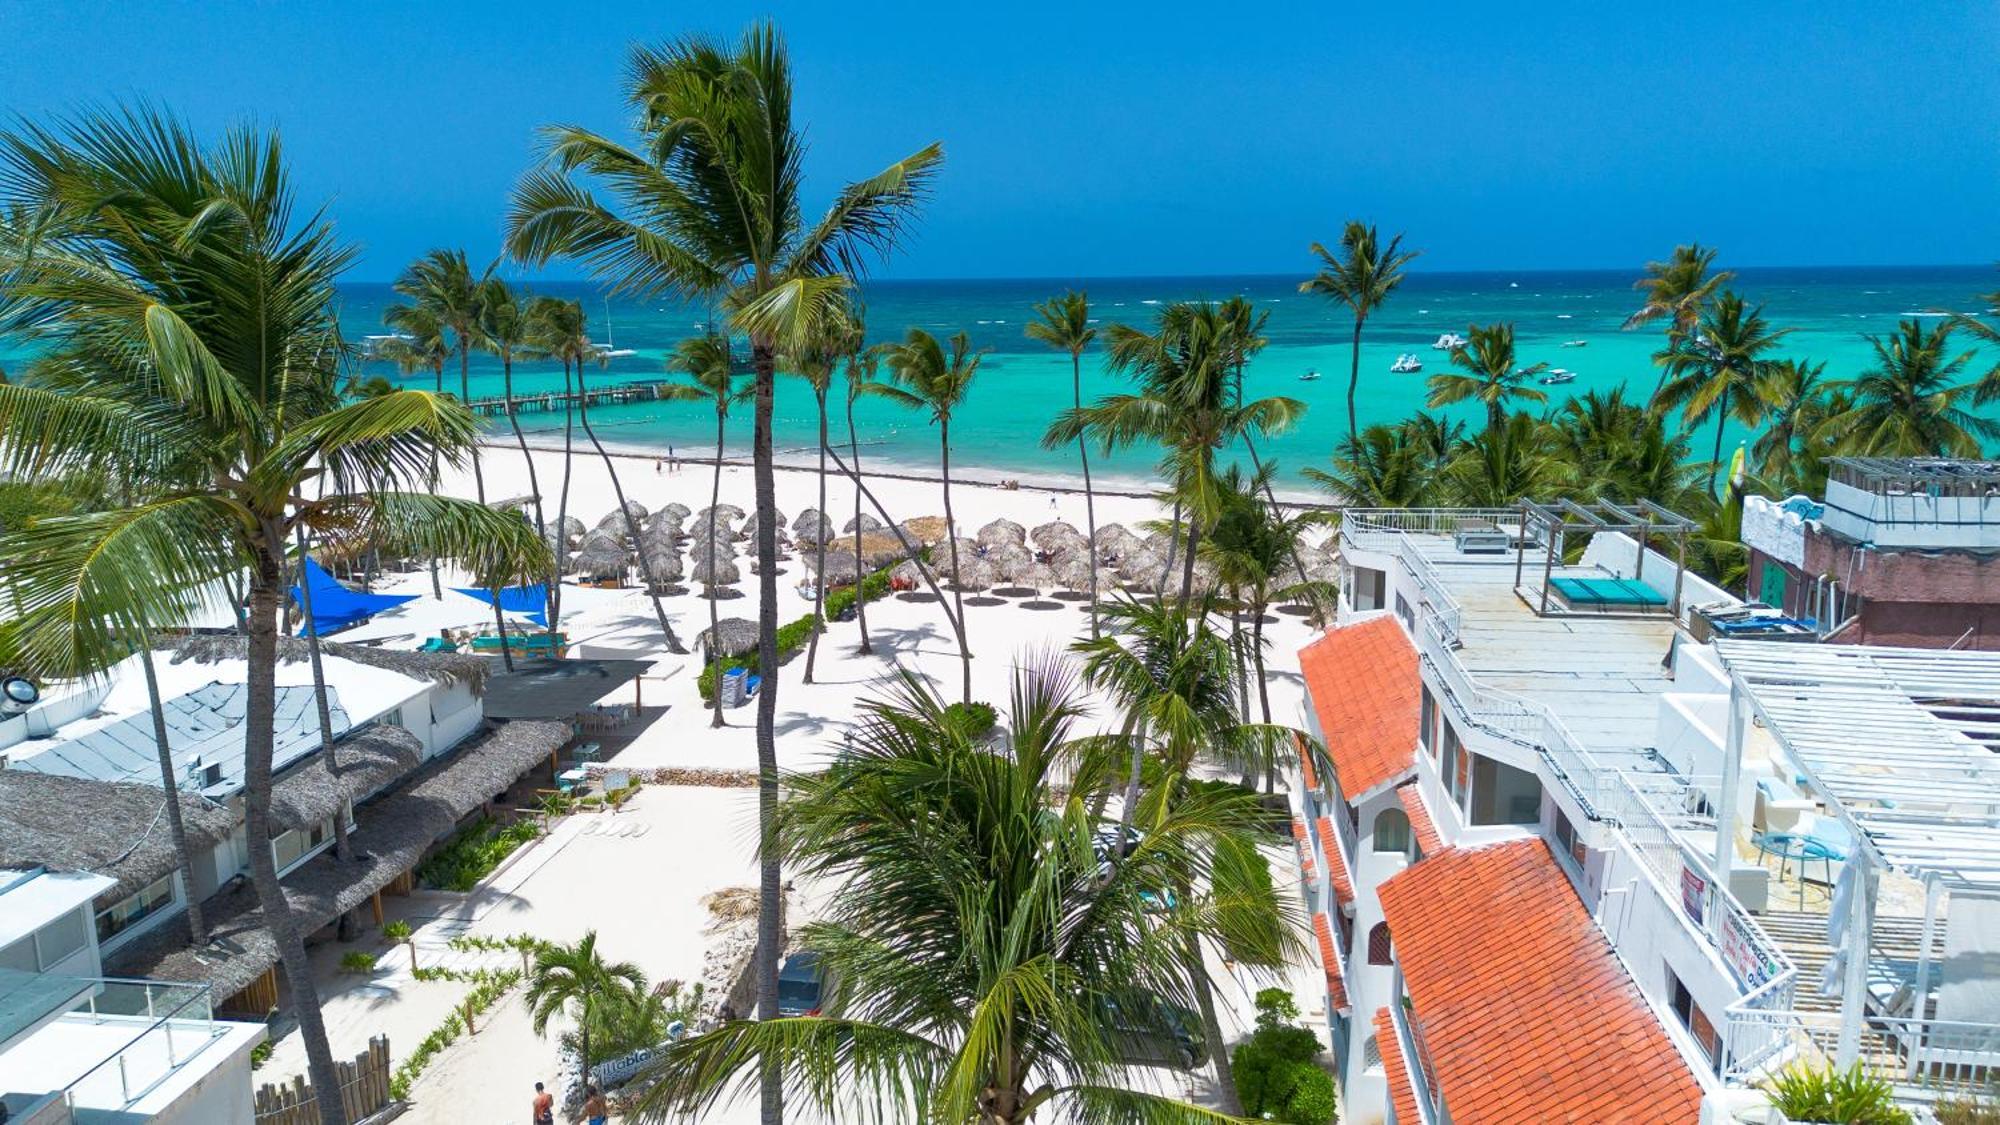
[
  {"x": 531, "y": 602},
  {"x": 335, "y": 606}
]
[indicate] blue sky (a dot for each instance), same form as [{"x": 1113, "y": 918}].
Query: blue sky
[{"x": 1162, "y": 138}]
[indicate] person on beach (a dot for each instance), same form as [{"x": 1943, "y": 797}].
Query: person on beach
[
  {"x": 595, "y": 1108},
  {"x": 659, "y": 466},
  {"x": 545, "y": 1106}
]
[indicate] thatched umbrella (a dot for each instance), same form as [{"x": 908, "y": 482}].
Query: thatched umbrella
[
  {"x": 1010, "y": 559},
  {"x": 601, "y": 556},
  {"x": 811, "y": 527},
  {"x": 715, "y": 570},
  {"x": 573, "y": 528},
  {"x": 866, "y": 522},
  {"x": 731, "y": 636},
  {"x": 1056, "y": 537},
  {"x": 1072, "y": 573},
  {"x": 878, "y": 549},
  {"x": 1003, "y": 531},
  {"x": 1035, "y": 576},
  {"x": 662, "y": 560},
  {"x": 635, "y": 511},
  {"x": 726, "y": 515},
  {"x": 926, "y": 530},
  {"x": 841, "y": 569},
  {"x": 613, "y": 523},
  {"x": 1114, "y": 542},
  {"x": 512, "y": 503},
  {"x": 676, "y": 511},
  {"x": 750, "y": 526},
  {"x": 975, "y": 574},
  {"x": 1141, "y": 565},
  {"x": 907, "y": 573}
]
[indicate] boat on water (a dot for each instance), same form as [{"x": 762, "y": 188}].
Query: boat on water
[
  {"x": 1574, "y": 344},
  {"x": 609, "y": 349},
  {"x": 1450, "y": 341},
  {"x": 1558, "y": 376},
  {"x": 1309, "y": 376},
  {"x": 1406, "y": 363}
]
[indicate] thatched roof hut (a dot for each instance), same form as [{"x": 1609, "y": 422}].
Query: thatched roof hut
[
  {"x": 437, "y": 667},
  {"x": 391, "y": 834},
  {"x": 113, "y": 828},
  {"x": 600, "y": 556},
  {"x": 727, "y": 516},
  {"x": 738, "y": 636},
  {"x": 879, "y": 549},
  {"x": 716, "y": 570},
  {"x": 1010, "y": 559},
  {"x": 866, "y": 522},
  {"x": 751, "y": 525},
  {"x": 927, "y": 530},
  {"x": 1072, "y": 572},
  {"x": 675, "y": 512},
  {"x": 367, "y": 760},
  {"x": 841, "y": 568},
  {"x": 1003, "y": 531},
  {"x": 976, "y": 574},
  {"x": 811, "y": 526},
  {"x": 1057, "y": 537},
  {"x": 1035, "y": 576}
]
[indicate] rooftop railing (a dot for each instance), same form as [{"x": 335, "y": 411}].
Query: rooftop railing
[{"x": 161, "y": 1024}]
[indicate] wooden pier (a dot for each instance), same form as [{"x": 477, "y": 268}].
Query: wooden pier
[{"x": 614, "y": 395}]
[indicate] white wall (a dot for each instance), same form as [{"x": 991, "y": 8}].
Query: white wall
[{"x": 1619, "y": 554}]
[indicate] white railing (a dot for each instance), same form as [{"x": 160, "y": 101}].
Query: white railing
[
  {"x": 1431, "y": 589},
  {"x": 1434, "y": 521},
  {"x": 1924, "y": 1058},
  {"x": 169, "y": 1021}
]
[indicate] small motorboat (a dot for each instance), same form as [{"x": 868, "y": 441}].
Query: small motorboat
[
  {"x": 1309, "y": 376},
  {"x": 1450, "y": 341},
  {"x": 1558, "y": 376},
  {"x": 1406, "y": 363},
  {"x": 1574, "y": 344}
]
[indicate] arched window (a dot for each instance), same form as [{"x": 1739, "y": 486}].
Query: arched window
[
  {"x": 1378, "y": 944},
  {"x": 1392, "y": 831},
  {"x": 1371, "y": 1055}
]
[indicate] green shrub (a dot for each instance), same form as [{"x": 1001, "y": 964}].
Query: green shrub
[
  {"x": 1277, "y": 1075},
  {"x": 474, "y": 853},
  {"x": 396, "y": 931},
  {"x": 357, "y": 961},
  {"x": 1312, "y": 1100},
  {"x": 490, "y": 987},
  {"x": 261, "y": 1053},
  {"x": 975, "y": 720},
  {"x": 1823, "y": 1094},
  {"x": 1968, "y": 1109}
]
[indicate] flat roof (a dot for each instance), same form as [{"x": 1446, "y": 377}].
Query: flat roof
[
  {"x": 555, "y": 689},
  {"x": 31, "y": 900}
]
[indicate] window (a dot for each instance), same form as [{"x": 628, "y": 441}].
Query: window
[
  {"x": 1693, "y": 1018},
  {"x": 288, "y": 848},
  {"x": 20, "y": 956},
  {"x": 1572, "y": 843},
  {"x": 1426, "y": 734},
  {"x": 1369, "y": 588},
  {"x": 1392, "y": 832},
  {"x": 1378, "y": 945},
  {"x": 133, "y": 909},
  {"x": 1502, "y": 794},
  {"x": 1403, "y": 611},
  {"x": 1371, "y": 1055},
  {"x": 1448, "y": 764}
]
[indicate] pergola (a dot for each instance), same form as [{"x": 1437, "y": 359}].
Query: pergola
[
  {"x": 1642, "y": 519},
  {"x": 1901, "y": 744}
]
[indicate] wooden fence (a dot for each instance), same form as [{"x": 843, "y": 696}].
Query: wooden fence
[{"x": 364, "y": 1087}]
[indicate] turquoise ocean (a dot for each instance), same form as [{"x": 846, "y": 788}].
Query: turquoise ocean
[{"x": 1021, "y": 385}]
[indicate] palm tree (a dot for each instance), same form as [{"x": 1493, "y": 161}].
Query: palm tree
[
  {"x": 1168, "y": 674},
  {"x": 928, "y": 379},
  {"x": 1361, "y": 277},
  {"x": 861, "y": 364},
  {"x": 1678, "y": 289},
  {"x": 419, "y": 344},
  {"x": 1620, "y": 451},
  {"x": 1064, "y": 324},
  {"x": 1504, "y": 463},
  {"x": 984, "y": 963},
  {"x": 1908, "y": 404},
  {"x": 556, "y": 331},
  {"x": 1187, "y": 402},
  {"x": 1986, "y": 332},
  {"x": 1490, "y": 377},
  {"x": 815, "y": 363},
  {"x": 504, "y": 330},
  {"x": 441, "y": 283},
  {"x": 1796, "y": 398},
  {"x": 711, "y": 375},
  {"x": 576, "y": 979},
  {"x": 1385, "y": 468},
  {"x": 1249, "y": 548},
  {"x": 1718, "y": 370},
  {"x": 711, "y": 206},
  {"x": 194, "y": 321}
]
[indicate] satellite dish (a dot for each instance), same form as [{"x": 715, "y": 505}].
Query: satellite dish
[{"x": 17, "y": 694}]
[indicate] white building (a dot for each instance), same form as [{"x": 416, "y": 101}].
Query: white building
[{"x": 1515, "y": 863}]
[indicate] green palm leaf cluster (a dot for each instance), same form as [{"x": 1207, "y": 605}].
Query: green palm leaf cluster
[
  {"x": 986, "y": 959},
  {"x": 190, "y": 354}
]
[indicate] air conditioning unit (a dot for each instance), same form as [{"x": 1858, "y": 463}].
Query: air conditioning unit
[{"x": 204, "y": 775}]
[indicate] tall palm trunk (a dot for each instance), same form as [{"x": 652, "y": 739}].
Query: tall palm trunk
[
  {"x": 1354, "y": 380},
  {"x": 562, "y": 502},
  {"x": 770, "y": 891},
  {"x": 1173, "y": 551},
  {"x": 1187, "y": 561},
  {"x": 1271, "y": 498},
  {"x": 631, "y": 525},
  {"x": 860, "y": 600},
  {"x": 1089, "y": 498},
  {"x": 340, "y": 848},
  {"x": 197, "y": 926},
  {"x": 1204, "y": 994},
  {"x": 714, "y": 606},
  {"x": 1263, "y": 687},
  {"x": 819, "y": 584},
  {"x": 437, "y": 374},
  {"x": 465, "y": 396},
  {"x": 259, "y": 715},
  {"x": 1715, "y": 461},
  {"x": 521, "y": 439},
  {"x": 951, "y": 531}
]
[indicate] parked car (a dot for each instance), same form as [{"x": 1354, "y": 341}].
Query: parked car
[
  {"x": 799, "y": 985},
  {"x": 1149, "y": 1031}
]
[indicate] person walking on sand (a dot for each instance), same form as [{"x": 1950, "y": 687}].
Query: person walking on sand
[
  {"x": 595, "y": 1109},
  {"x": 545, "y": 1106}
]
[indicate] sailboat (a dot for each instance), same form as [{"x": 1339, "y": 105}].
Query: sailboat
[{"x": 609, "y": 349}]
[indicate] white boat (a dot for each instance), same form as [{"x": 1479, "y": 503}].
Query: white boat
[
  {"x": 1558, "y": 376},
  {"x": 1309, "y": 376},
  {"x": 1406, "y": 363},
  {"x": 1450, "y": 341},
  {"x": 609, "y": 349},
  {"x": 1574, "y": 344}
]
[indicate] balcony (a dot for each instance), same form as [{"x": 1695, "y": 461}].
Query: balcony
[{"x": 105, "y": 1058}]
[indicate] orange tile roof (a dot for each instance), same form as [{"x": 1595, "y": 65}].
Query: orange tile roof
[
  {"x": 1305, "y": 848},
  {"x": 1306, "y": 768},
  {"x": 1420, "y": 818},
  {"x": 1402, "y": 1091},
  {"x": 1364, "y": 688},
  {"x": 1525, "y": 1012},
  {"x": 1336, "y": 864},
  {"x": 1336, "y": 987}
]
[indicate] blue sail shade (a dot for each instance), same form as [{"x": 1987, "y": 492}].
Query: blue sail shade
[
  {"x": 531, "y": 602},
  {"x": 335, "y": 606}
]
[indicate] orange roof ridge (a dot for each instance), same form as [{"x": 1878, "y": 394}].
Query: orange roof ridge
[
  {"x": 1527, "y": 1014},
  {"x": 1419, "y": 812},
  {"x": 1336, "y": 863},
  {"x": 1336, "y": 986},
  {"x": 1402, "y": 1089},
  {"x": 1363, "y": 683}
]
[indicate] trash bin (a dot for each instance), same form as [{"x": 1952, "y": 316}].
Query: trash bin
[{"x": 735, "y": 687}]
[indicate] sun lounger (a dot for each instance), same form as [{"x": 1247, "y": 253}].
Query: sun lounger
[{"x": 1607, "y": 592}]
